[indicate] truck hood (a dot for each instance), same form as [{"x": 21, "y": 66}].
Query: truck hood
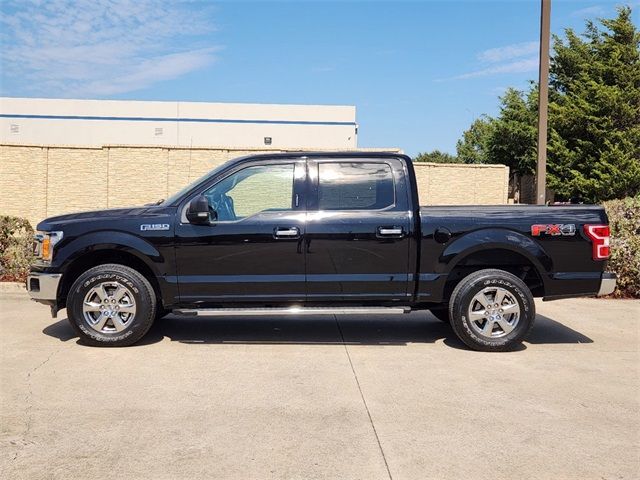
[{"x": 58, "y": 222}]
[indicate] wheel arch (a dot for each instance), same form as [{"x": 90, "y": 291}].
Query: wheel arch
[
  {"x": 87, "y": 255},
  {"x": 496, "y": 248}
]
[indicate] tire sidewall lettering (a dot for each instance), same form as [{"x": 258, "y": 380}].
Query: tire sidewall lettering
[
  {"x": 109, "y": 277},
  {"x": 499, "y": 282}
]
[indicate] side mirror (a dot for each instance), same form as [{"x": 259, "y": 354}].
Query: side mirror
[{"x": 198, "y": 211}]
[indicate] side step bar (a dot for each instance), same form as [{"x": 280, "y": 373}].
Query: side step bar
[{"x": 246, "y": 312}]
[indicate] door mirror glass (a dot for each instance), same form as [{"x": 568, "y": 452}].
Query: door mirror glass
[{"x": 199, "y": 212}]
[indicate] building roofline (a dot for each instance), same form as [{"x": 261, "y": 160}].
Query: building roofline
[
  {"x": 231, "y": 148},
  {"x": 182, "y": 102}
]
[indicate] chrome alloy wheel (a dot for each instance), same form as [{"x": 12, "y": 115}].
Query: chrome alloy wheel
[
  {"x": 109, "y": 307},
  {"x": 494, "y": 312}
]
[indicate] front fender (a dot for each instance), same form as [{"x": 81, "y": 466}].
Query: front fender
[
  {"x": 118, "y": 241},
  {"x": 494, "y": 238}
]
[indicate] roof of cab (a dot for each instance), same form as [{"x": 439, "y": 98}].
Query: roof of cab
[{"x": 322, "y": 154}]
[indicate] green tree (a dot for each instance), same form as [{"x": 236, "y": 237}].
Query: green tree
[
  {"x": 473, "y": 147},
  {"x": 512, "y": 138},
  {"x": 594, "y": 111},
  {"x": 594, "y": 116},
  {"x": 436, "y": 156},
  {"x": 508, "y": 139}
]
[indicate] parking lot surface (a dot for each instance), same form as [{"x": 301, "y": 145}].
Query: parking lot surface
[{"x": 327, "y": 397}]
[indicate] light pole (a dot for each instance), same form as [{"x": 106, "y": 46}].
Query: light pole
[{"x": 543, "y": 101}]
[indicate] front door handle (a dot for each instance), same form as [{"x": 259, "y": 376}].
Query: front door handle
[
  {"x": 390, "y": 232},
  {"x": 286, "y": 232}
]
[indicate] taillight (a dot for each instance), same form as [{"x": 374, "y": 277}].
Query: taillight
[{"x": 599, "y": 235}]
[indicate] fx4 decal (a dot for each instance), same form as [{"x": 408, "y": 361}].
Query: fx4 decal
[{"x": 553, "y": 229}]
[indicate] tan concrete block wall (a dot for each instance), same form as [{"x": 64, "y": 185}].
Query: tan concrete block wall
[
  {"x": 37, "y": 182},
  {"x": 40, "y": 181},
  {"x": 77, "y": 180},
  {"x": 23, "y": 182},
  {"x": 456, "y": 184},
  {"x": 136, "y": 175}
]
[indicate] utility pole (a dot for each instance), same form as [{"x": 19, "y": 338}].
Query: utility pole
[{"x": 543, "y": 101}]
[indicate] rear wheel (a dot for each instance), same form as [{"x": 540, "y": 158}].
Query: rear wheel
[
  {"x": 111, "y": 305},
  {"x": 491, "y": 310}
]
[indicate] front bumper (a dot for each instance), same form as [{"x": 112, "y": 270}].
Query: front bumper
[
  {"x": 43, "y": 287},
  {"x": 607, "y": 284}
]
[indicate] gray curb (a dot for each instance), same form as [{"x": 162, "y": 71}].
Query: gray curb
[{"x": 12, "y": 287}]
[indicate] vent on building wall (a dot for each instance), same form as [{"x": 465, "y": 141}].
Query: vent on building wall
[
  {"x": 267, "y": 140},
  {"x": 15, "y": 128},
  {"x": 159, "y": 131}
]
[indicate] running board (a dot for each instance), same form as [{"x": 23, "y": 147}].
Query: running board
[{"x": 246, "y": 312}]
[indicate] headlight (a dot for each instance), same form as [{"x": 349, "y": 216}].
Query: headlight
[{"x": 44, "y": 243}]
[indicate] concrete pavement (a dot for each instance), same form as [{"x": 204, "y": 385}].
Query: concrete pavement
[{"x": 345, "y": 398}]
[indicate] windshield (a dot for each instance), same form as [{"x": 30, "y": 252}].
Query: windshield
[{"x": 176, "y": 196}]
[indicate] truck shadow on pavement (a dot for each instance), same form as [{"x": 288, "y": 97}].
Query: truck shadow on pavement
[{"x": 322, "y": 330}]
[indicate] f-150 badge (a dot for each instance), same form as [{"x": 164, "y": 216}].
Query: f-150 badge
[
  {"x": 553, "y": 229},
  {"x": 154, "y": 226}
]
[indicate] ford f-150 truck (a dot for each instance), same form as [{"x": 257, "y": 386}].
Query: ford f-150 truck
[{"x": 312, "y": 233}]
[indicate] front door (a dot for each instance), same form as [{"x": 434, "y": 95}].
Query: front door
[
  {"x": 253, "y": 250},
  {"x": 358, "y": 231}
]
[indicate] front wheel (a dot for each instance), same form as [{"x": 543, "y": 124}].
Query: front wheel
[
  {"x": 111, "y": 305},
  {"x": 491, "y": 310}
]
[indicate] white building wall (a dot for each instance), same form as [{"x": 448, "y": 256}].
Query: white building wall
[{"x": 36, "y": 121}]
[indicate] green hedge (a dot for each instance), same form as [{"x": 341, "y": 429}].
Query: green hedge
[
  {"x": 624, "y": 219},
  {"x": 16, "y": 248},
  {"x": 16, "y": 236}
]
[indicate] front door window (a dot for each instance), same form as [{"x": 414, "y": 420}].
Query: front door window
[{"x": 252, "y": 190}]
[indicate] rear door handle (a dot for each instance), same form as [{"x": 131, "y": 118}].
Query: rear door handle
[
  {"x": 286, "y": 232},
  {"x": 390, "y": 231}
]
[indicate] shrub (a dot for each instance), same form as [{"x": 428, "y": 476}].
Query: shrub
[
  {"x": 624, "y": 219},
  {"x": 16, "y": 248}
]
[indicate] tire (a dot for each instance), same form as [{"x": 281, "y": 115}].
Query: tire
[
  {"x": 111, "y": 305},
  {"x": 441, "y": 313},
  {"x": 491, "y": 310}
]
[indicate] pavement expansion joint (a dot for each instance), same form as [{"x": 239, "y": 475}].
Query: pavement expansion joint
[{"x": 364, "y": 401}]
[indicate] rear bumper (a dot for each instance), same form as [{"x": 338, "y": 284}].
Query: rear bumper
[
  {"x": 607, "y": 284},
  {"x": 43, "y": 287},
  {"x": 579, "y": 284}
]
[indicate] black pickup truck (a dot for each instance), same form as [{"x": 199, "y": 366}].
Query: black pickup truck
[{"x": 313, "y": 233}]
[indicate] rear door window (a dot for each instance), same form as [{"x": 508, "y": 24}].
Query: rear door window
[{"x": 355, "y": 186}]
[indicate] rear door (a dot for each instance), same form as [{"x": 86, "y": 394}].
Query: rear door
[{"x": 358, "y": 230}]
